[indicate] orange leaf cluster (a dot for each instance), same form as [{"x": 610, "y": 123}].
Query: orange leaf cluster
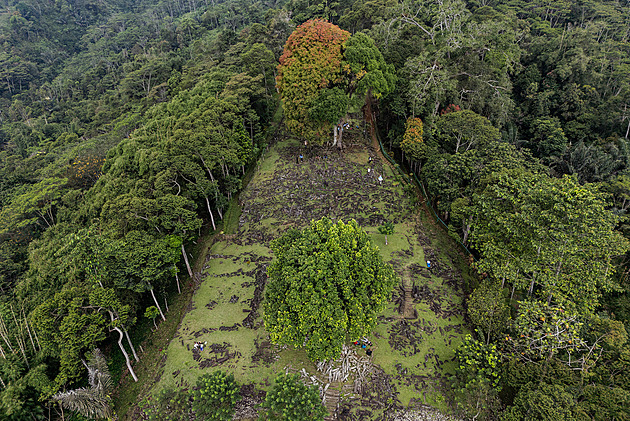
[
  {"x": 413, "y": 131},
  {"x": 311, "y": 60}
]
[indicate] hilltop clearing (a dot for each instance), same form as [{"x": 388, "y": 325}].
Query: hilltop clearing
[{"x": 414, "y": 342}]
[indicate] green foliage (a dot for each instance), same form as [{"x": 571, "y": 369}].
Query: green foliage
[
  {"x": 548, "y": 237},
  {"x": 452, "y": 179},
  {"x": 477, "y": 376},
  {"x": 327, "y": 285},
  {"x": 151, "y": 312},
  {"x": 477, "y": 362},
  {"x": 35, "y": 205},
  {"x": 365, "y": 67},
  {"x": 548, "y": 138},
  {"x": 78, "y": 78},
  {"x": 387, "y": 228},
  {"x": 541, "y": 331},
  {"x": 95, "y": 401},
  {"x": 69, "y": 326},
  {"x": 302, "y": 10},
  {"x": 449, "y": 52},
  {"x": 214, "y": 396},
  {"x": 602, "y": 403},
  {"x": 320, "y": 70},
  {"x": 330, "y": 106},
  {"x": 168, "y": 405},
  {"x": 292, "y": 400},
  {"x": 544, "y": 402},
  {"x": 463, "y": 130},
  {"x": 488, "y": 310}
]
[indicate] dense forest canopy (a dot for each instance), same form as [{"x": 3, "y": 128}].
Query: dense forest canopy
[{"x": 126, "y": 128}]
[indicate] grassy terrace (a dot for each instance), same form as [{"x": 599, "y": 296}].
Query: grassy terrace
[{"x": 412, "y": 355}]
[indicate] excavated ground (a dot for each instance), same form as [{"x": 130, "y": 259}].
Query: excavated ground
[{"x": 415, "y": 338}]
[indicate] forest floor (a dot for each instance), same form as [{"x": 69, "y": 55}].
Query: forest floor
[{"x": 416, "y": 336}]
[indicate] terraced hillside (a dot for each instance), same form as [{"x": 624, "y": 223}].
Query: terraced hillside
[{"x": 414, "y": 342}]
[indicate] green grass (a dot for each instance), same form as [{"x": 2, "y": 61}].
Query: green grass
[{"x": 283, "y": 194}]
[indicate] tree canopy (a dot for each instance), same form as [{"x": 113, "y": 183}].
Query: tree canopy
[
  {"x": 310, "y": 62},
  {"x": 321, "y": 68},
  {"x": 549, "y": 237},
  {"x": 327, "y": 285}
]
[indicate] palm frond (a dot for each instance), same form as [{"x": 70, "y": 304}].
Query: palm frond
[
  {"x": 92, "y": 402},
  {"x": 89, "y": 402}
]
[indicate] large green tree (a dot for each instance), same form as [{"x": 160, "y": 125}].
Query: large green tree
[
  {"x": 327, "y": 284},
  {"x": 548, "y": 237},
  {"x": 68, "y": 326}
]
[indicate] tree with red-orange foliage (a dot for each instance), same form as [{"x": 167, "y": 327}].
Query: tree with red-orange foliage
[
  {"x": 321, "y": 70},
  {"x": 311, "y": 61},
  {"x": 413, "y": 146}
]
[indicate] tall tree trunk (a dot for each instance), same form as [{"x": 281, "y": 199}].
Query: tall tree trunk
[
  {"x": 19, "y": 339},
  {"x": 190, "y": 272},
  {"x": 133, "y": 349},
  {"x": 4, "y": 333},
  {"x": 157, "y": 304},
  {"x": 122, "y": 349},
  {"x": 29, "y": 332},
  {"x": 214, "y": 227},
  {"x": 207, "y": 169},
  {"x": 179, "y": 290}
]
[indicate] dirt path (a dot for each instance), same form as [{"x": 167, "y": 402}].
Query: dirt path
[{"x": 370, "y": 118}]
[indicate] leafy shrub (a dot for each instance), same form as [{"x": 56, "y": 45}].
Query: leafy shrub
[
  {"x": 292, "y": 400},
  {"x": 215, "y": 396},
  {"x": 477, "y": 377}
]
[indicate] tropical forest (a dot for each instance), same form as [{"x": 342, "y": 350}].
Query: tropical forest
[{"x": 395, "y": 210}]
